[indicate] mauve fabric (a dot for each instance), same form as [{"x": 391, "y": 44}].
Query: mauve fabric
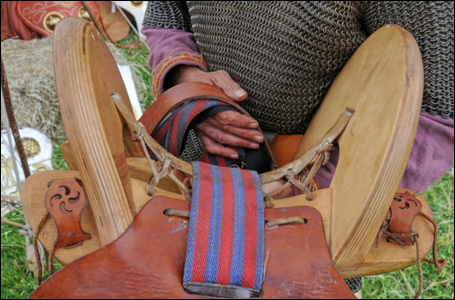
[
  {"x": 433, "y": 151},
  {"x": 431, "y": 155},
  {"x": 170, "y": 43}
]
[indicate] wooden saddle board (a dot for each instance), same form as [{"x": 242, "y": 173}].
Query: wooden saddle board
[{"x": 382, "y": 82}]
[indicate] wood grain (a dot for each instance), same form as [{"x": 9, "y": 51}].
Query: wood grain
[
  {"x": 34, "y": 190},
  {"x": 322, "y": 202},
  {"x": 383, "y": 83},
  {"x": 138, "y": 166},
  {"x": 92, "y": 125}
]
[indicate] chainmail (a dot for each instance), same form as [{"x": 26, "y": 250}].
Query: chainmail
[
  {"x": 431, "y": 23},
  {"x": 286, "y": 54},
  {"x": 355, "y": 284},
  {"x": 193, "y": 149},
  {"x": 167, "y": 14}
]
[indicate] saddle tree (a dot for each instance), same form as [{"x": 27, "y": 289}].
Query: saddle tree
[{"x": 382, "y": 82}]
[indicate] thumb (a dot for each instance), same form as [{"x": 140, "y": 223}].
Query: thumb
[{"x": 231, "y": 88}]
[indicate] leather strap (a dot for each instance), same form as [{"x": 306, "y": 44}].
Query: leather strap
[
  {"x": 178, "y": 95},
  {"x": 397, "y": 228},
  {"x": 64, "y": 200},
  {"x": 404, "y": 209},
  {"x": 183, "y": 93}
]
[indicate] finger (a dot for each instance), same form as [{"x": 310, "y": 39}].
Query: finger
[
  {"x": 249, "y": 134},
  {"x": 215, "y": 148},
  {"x": 252, "y": 135},
  {"x": 223, "y": 80},
  {"x": 234, "y": 118},
  {"x": 224, "y": 138}
]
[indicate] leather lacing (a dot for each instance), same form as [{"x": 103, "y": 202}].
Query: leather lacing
[
  {"x": 271, "y": 224},
  {"x": 398, "y": 238},
  {"x": 35, "y": 246}
]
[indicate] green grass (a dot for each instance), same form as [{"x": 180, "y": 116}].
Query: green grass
[
  {"x": 139, "y": 57},
  {"x": 403, "y": 284},
  {"x": 17, "y": 282}
]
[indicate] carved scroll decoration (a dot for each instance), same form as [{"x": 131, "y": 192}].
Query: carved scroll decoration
[{"x": 65, "y": 200}]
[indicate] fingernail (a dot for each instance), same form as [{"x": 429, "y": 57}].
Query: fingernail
[
  {"x": 253, "y": 125},
  {"x": 233, "y": 156},
  {"x": 258, "y": 139},
  {"x": 254, "y": 146},
  {"x": 239, "y": 93}
]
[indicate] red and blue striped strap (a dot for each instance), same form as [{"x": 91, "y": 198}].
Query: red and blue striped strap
[
  {"x": 171, "y": 133},
  {"x": 226, "y": 229}
]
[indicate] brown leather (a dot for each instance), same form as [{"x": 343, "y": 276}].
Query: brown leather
[
  {"x": 397, "y": 227},
  {"x": 178, "y": 95},
  {"x": 284, "y": 148},
  {"x": 404, "y": 209},
  {"x": 148, "y": 260},
  {"x": 114, "y": 24},
  {"x": 64, "y": 200},
  {"x": 440, "y": 264}
]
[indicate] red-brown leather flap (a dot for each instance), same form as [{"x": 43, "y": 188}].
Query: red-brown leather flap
[{"x": 148, "y": 260}]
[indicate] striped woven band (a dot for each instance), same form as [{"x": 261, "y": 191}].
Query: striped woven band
[
  {"x": 171, "y": 132},
  {"x": 225, "y": 250}
]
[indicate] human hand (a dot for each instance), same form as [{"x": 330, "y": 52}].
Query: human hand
[
  {"x": 225, "y": 129},
  {"x": 221, "y": 79}
]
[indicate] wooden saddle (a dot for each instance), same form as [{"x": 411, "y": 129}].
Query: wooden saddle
[{"x": 122, "y": 244}]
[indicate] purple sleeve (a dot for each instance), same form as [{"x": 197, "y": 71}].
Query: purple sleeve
[
  {"x": 431, "y": 155},
  {"x": 170, "y": 48}
]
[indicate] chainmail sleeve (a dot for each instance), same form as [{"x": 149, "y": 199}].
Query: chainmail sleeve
[
  {"x": 432, "y": 25},
  {"x": 167, "y": 14},
  {"x": 168, "y": 30}
]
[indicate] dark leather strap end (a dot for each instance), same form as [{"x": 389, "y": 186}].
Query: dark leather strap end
[{"x": 218, "y": 290}]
